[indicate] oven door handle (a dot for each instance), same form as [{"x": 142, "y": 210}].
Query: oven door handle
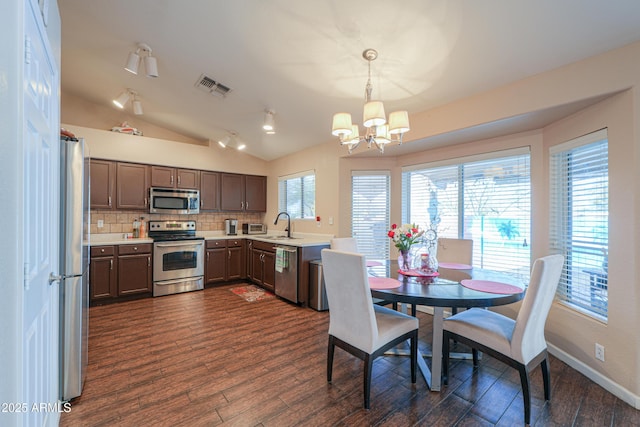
[{"x": 173, "y": 245}]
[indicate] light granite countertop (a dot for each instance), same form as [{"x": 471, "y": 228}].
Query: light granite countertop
[{"x": 298, "y": 239}]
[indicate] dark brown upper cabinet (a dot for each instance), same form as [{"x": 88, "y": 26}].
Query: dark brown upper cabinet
[
  {"x": 243, "y": 193},
  {"x": 163, "y": 176}
]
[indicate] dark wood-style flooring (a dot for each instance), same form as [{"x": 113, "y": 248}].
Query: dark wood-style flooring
[{"x": 210, "y": 358}]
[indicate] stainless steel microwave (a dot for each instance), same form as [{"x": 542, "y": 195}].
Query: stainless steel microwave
[{"x": 174, "y": 201}]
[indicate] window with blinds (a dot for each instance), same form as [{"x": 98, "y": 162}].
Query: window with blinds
[
  {"x": 297, "y": 195},
  {"x": 579, "y": 227},
  {"x": 370, "y": 213},
  {"x": 485, "y": 198}
]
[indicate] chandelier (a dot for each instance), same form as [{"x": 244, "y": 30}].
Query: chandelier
[{"x": 377, "y": 131}]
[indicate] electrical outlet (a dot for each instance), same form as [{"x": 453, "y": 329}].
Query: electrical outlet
[
  {"x": 100, "y": 223},
  {"x": 600, "y": 352}
]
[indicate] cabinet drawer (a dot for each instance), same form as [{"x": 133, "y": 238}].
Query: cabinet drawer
[
  {"x": 233, "y": 243},
  {"x": 143, "y": 248},
  {"x": 98, "y": 251},
  {"x": 216, "y": 244},
  {"x": 264, "y": 246}
]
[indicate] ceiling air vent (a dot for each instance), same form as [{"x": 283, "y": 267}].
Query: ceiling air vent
[{"x": 207, "y": 84}]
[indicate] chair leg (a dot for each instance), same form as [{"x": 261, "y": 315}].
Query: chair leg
[
  {"x": 368, "y": 367},
  {"x": 526, "y": 392},
  {"x": 474, "y": 355},
  {"x": 546, "y": 378},
  {"x": 445, "y": 358},
  {"x": 394, "y": 306},
  {"x": 414, "y": 357},
  {"x": 330, "y": 350}
]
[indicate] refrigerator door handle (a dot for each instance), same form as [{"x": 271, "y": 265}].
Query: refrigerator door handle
[{"x": 61, "y": 277}]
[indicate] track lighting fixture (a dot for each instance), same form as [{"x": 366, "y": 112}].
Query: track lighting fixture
[
  {"x": 269, "y": 125},
  {"x": 124, "y": 97},
  {"x": 150, "y": 63},
  {"x": 232, "y": 141}
]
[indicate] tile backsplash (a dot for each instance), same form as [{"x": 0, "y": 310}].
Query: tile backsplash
[{"x": 122, "y": 221}]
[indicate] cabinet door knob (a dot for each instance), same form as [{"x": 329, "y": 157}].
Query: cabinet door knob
[
  {"x": 135, "y": 248},
  {"x": 109, "y": 201},
  {"x": 229, "y": 253},
  {"x": 110, "y": 264},
  {"x": 102, "y": 250},
  {"x": 148, "y": 261}
]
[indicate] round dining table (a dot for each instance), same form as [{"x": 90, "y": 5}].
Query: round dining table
[{"x": 444, "y": 290}]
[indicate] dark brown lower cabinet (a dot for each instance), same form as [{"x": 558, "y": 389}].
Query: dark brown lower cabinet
[
  {"x": 103, "y": 273},
  {"x": 224, "y": 260},
  {"x": 262, "y": 268},
  {"x": 134, "y": 269},
  {"x": 236, "y": 268},
  {"x": 215, "y": 260}
]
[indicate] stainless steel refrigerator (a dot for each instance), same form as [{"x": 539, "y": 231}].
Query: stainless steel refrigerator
[{"x": 74, "y": 259}]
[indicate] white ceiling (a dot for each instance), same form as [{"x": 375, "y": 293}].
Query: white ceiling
[{"x": 303, "y": 58}]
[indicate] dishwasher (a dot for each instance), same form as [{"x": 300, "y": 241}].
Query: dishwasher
[{"x": 286, "y": 282}]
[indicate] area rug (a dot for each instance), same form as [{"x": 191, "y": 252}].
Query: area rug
[{"x": 252, "y": 293}]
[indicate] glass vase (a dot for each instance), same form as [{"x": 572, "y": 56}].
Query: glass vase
[{"x": 404, "y": 260}]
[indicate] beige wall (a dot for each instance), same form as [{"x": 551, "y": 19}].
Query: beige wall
[
  {"x": 571, "y": 335},
  {"x": 569, "y": 330},
  {"x": 142, "y": 149},
  {"x": 77, "y": 111}
]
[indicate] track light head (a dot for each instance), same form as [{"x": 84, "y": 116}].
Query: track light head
[
  {"x": 151, "y": 66},
  {"x": 122, "y": 99},
  {"x": 137, "y": 107},
  {"x": 133, "y": 61}
]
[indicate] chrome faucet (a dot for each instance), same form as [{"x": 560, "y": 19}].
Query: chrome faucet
[{"x": 288, "y": 229}]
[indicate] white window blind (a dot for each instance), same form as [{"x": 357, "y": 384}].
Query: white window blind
[
  {"x": 297, "y": 195},
  {"x": 487, "y": 200},
  {"x": 370, "y": 213},
  {"x": 579, "y": 217}
]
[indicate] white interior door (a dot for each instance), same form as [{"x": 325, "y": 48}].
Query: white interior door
[{"x": 40, "y": 219}]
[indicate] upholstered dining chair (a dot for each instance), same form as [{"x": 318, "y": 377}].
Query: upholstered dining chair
[
  {"x": 519, "y": 343},
  {"x": 350, "y": 244},
  {"x": 455, "y": 250},
  {"x": 459, "y": 251},
  {"x": 344, "y": 244},
  {"x": 356, "y": 325}
]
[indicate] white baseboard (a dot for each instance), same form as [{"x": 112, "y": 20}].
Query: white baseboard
[{"x": 595, "y": 376}]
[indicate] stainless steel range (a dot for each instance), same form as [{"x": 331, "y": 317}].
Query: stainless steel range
[{"x": 178, "y": 257}]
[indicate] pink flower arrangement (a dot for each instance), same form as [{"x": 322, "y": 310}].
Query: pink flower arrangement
[{"x": 405, "y": 236}]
